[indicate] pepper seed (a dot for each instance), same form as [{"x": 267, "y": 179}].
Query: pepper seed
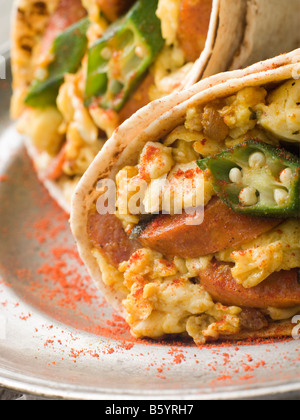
[
  {"x": 235, "y": 176},
  {"x": 248, "y": 196},
  {"x": 280, "y": 196},
  {"x": 257, "y": 160},
  {"x": 286, "y": 176}
]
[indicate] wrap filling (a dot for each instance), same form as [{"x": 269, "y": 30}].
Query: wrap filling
[{"x": 204, "y": 236}]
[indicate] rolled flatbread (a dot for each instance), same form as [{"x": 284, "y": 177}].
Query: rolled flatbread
[
  {"x": 199, "y": 38},
  {"x": 190, "y": 224}
]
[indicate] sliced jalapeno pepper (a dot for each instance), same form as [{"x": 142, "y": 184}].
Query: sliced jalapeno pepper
[
  {"x": 68, "y": 49},
  {"x": 257, "y": 179},
  {"x": 120, "y": 59}
]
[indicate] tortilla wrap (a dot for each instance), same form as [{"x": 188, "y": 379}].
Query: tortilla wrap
[
  {"x": 126, "y": 144},
  {"x": 239, "y": 34}
]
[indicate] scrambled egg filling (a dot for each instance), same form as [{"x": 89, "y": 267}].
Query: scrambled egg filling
[
  {"x": 281, "y": 114},
  {"x": 85, "y": 130},
  {"x": 162, "y": 183},
  {"x": 274, "y": 251},
  {"x": 164, "y": 300},
  {"x": 163, "y": 295},
  {"x": 168, "y": 13}
]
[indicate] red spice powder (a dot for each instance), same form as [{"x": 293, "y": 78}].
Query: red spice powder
[
  {"x": 25, "y": 317},
  {"x": 189, "y": 174},
  {"x": 178, "y": 355},
  {"x": 224, "y": 377},
  {"x": 150, "y": 154},
  {"x": 60, "y": 286}
]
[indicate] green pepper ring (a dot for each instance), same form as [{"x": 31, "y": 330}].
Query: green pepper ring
[{"x": 277, "y": 159}]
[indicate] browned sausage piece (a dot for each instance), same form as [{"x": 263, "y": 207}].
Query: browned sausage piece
[
  {"x": 221, "y": 229},
  {"x": 280, "y": 290},
  {"x": 194, "y": 19},
  {"x": 138, "y": 99},
  {"x": 107, "y": 234},
  {"x": 67, "y": 13},
  {"x": 113, "y": 9}
]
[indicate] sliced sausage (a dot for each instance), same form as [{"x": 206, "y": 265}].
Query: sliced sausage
[
  {"x": 67, "y": 13},
  {"x": 138, "y": 99},
  {"x": 107, "y": 234},
  {"x": 280, "y": 290},
  {"x": 221, "y": 229},
  {"x": 194, "y": 19},
  {"x": 113, "y": 9}
]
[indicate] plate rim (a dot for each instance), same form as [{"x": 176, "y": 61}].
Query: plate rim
[
  {"x": 5, "y": 50},
  {"x": 67, "y": 392}
]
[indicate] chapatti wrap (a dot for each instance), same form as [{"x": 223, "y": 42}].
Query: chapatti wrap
[
  {"x": 189, "y": 224},
  {"x": 81, "y": 68}
]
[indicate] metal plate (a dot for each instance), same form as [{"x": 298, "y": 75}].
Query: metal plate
[{"x": 58, "y": 337}]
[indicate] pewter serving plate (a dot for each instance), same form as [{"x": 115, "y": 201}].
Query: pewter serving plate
[{"x": 58, "y": 337}]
